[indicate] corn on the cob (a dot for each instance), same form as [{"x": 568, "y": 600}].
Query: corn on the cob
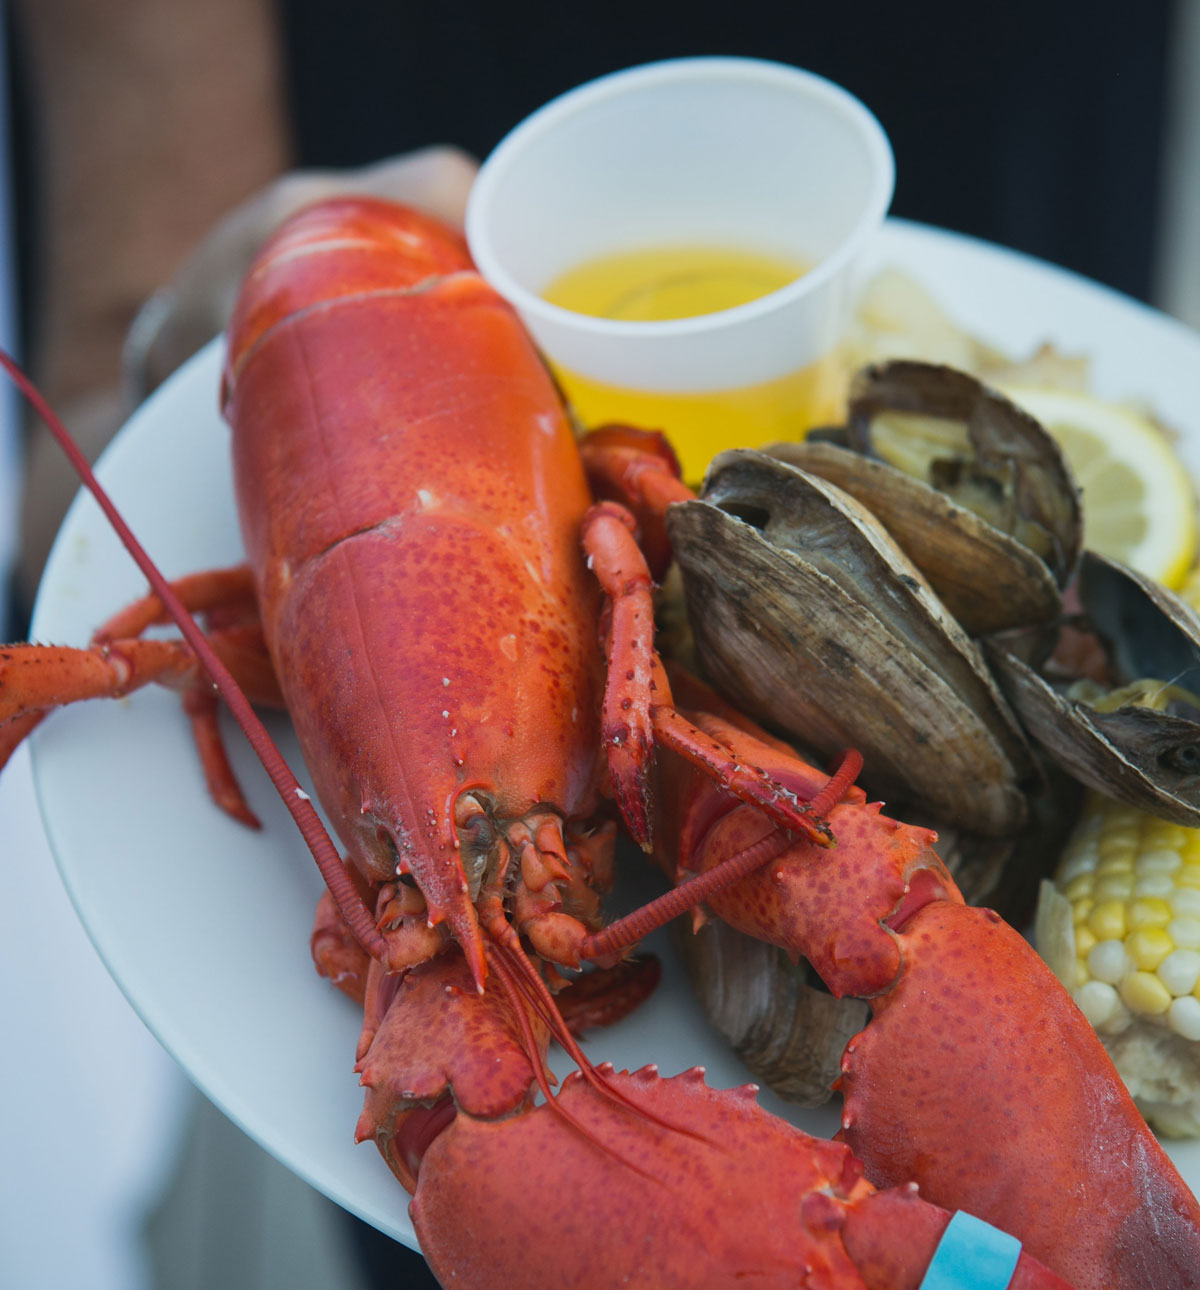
[{"x": 1121, "y": 928}]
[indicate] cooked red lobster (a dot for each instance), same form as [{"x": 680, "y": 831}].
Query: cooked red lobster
[{"x": 463, "y": 638}]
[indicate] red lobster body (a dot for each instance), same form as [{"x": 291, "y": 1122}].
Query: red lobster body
[{"x": 422, "y": 588}]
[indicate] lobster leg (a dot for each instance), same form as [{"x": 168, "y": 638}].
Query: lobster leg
[
  {"x": 36, "y": 679},
  {"x": 639, "y": 710},
  {"x": 336, "y": 954},
  {"x": 639, "y": 469},
  {"x": 226, "y": 598},
  {"x": 218, "y": 593},
  {"x": 627, "y": 724},
  {"x": 603, "y": 996}
]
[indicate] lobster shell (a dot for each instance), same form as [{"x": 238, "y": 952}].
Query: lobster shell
[{"x": 367, "y": 543}]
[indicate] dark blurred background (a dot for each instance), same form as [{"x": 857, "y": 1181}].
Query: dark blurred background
[{"x": 1039, "y": 126}]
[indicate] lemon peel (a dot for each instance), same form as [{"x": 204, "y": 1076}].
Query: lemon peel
[{"x": 1139, "y": 505}]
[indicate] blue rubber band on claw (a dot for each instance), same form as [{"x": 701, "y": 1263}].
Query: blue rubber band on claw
[{"x": 972, "y": 1255}]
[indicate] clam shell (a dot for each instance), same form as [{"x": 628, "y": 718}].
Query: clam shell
[
  {"x": 789, "y": 1032},
  {"x": 809, "y": 617},
  {"x": 1149, "y": 760},
  {"x": 1006, "y": 467},
  {"x": 988, "y": 580},
  {"x": 1149, "y": 631}
]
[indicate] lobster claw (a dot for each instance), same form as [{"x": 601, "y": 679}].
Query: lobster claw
[
  {"x": 433, "y": 1043},
  {"x": 703, "y": 1187},
  {"x": 1021, "y": 1118},
  {"x": 1011, "y": 1108}
]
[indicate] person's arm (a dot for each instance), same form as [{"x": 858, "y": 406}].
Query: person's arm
[{"x": 153, "y": 118}]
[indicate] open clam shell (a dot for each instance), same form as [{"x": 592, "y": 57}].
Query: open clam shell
[
  {"x": 973, "y": 444},
  {"x": 1146, "y": 758},
  {"x": 1147, "y": 630},
  {"x": 988, "y": 580},
  {"x": 811, "y": 619}
]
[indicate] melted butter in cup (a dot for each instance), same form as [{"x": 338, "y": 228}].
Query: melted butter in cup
[{"x": 683, "y": 239}]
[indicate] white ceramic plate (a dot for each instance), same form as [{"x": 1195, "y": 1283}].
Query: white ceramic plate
[{"x": 204, "y": 925}]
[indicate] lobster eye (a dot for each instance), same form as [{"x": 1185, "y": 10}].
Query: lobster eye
[
  {"x": 477, "y": 838},
  {"x": 477, "y": 832}
]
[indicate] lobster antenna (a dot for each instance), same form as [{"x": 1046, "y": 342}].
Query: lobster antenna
[
  {"x": 624, "y": 933},
  {"x": 529, "y": 981},
  {"x": 514, "y": 988},
  {"x": 349, "y": 902}
]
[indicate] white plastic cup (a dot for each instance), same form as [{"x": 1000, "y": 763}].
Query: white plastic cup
[{"x": 699, "y": 151}]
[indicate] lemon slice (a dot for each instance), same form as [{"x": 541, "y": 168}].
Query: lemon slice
[{"x": 1138, "y": 502}]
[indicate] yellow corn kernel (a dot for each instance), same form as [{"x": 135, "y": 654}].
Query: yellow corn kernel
[
  {"x": 1149, "y": 911},
  {"x": 1107, "y": 961},
  {"x": 1115, "y": 886},
  {"x": 1185, "y": 901},
  {"x": 1161, "y": 833},
  {"x": 1077, "y": 862},
  {"x": 1122, "y": 863},
  {"x": 1144, "y": 993},
  {"x": 1077, "y": 887},
  {"x": 1084, "y": 940},
  {"x": 1188, "y": 874},
  {"x": 1185, "y": 932},
  {"x": 1158, "y": 885},
  {"x": 1107, "y": 920},
  {"x": 1148, "y": 946},
  {"x": 1098, "y": 1001},
  {"x": 1183, "y": 1017},
  {"x": 1120, "y": 841},
  {"x": 1154, "y": 859},
  {"x": 1082, "y": 909},
  {"x": 1180, "y": 971}
]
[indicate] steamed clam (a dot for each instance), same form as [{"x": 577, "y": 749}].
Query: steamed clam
[
  {"x": 775, "y": 1014},
  {"x": 1133, "y": 733},
  {"x": 988, "y": 580},
  {"x": 974, "y": 445},
  {"x": 866, "y": 588},
  {"x": 809, "y": 617}
]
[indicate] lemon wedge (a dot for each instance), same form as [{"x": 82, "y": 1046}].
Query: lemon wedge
[{"x": 1139, "y": 506}]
